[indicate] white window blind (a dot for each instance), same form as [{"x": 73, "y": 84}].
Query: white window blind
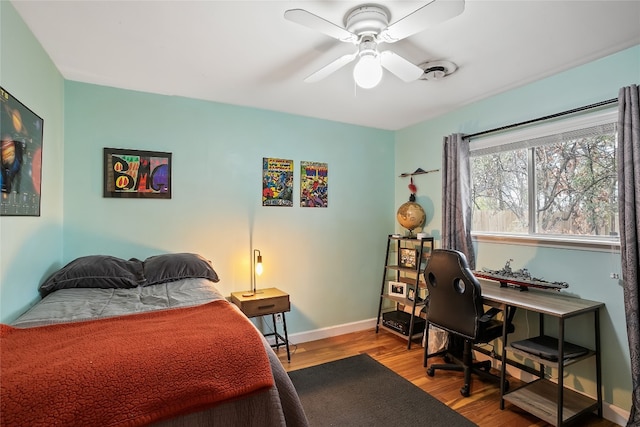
[{"x": 554, "y": 131}]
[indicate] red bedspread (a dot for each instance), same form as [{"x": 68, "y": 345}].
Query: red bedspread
[{"x": 129, "y": 370}]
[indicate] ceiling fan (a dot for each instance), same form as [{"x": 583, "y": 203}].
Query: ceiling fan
[{"x": 367, "y": 26}]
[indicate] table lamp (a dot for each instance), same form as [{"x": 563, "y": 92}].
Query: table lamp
[{"x": 257, "y": 269}]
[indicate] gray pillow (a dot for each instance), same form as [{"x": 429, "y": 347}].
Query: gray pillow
[
  {"x": 95, "y": 271},
  {"x": 170, "y": 267}
]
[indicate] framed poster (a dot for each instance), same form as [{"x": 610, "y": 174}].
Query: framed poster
[
  {"x": 277, "y": 182},
  {"x": 313, "y": 184},
  {"x": 137, "y": 174},
  {"x": 407, "y": 258},
  {"x": 21, "y": 158}
]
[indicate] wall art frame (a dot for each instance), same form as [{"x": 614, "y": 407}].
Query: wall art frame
[
  {"x": 21, "y": 131},
  {"x": 277, "y": 182},
  {"x": 314, "y": 187},
  {"x": 407, "y": 258},
  {"x": 397, "y": 289},
  {"x": 137, "y": 174}
]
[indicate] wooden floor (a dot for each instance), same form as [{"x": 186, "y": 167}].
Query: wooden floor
[{"x": 482, "y": 407}]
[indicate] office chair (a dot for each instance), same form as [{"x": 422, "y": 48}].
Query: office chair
[{"x": 456, "y": 306}]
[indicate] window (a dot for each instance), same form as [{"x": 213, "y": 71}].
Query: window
[{"x": 558, "y": 179}]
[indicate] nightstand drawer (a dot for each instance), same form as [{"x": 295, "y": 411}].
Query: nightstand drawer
[
  {"x": 268, "y": 301},
  {"x": 265, "y": 306}
]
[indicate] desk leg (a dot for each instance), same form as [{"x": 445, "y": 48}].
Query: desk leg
[
  {"x": 598, "y": 361},
  {"x": 560, "y": 398},
  {"x": 541, "y": 368},
  {"x": 508, "y": 315}
]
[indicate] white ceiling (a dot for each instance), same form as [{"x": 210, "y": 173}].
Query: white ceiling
[{"x": 245, "y": 53}]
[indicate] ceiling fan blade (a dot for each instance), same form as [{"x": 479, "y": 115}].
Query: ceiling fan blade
[
  {"x": 399, "y": 66},
  {"x": 330, "y": 68},
  {"x": 308, "y": 19},
  {"x": 429, "y": 15}
]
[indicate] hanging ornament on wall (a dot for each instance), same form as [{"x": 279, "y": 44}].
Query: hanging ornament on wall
[
  {"x": 412, "y": 188},
  {"x": 410, "y": 214}
]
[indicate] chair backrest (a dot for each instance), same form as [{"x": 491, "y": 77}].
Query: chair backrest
[{"x": 455, "y": 295}]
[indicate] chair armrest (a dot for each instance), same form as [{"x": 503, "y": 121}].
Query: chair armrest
[{"x": 489, "y": 314}]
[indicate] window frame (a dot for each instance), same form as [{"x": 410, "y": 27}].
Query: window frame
[{"x": 514, "y": 139}]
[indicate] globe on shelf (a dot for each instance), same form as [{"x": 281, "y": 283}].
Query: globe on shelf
[{"x": 411, "y": 215}]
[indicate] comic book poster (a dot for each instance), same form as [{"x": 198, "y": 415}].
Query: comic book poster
[
  {"x": 313, "y": 185},
  {"x": 21, "y": 158},
  {"x": 277, "y": 182}
]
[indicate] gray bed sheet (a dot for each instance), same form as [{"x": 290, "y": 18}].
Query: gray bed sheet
[
  {"x": 68, "y": 305},
  {"x": 278, "y": 406}
]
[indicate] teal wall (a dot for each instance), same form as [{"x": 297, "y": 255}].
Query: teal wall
[
  {"x": 327, "y": 259},
  {"x": 31, "y": 247},
  {"x": 587, "y": 272},
  {"x": 323, "y": 257}
]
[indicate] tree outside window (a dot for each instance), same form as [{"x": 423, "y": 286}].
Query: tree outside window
[{"x": 557, "y": 185}]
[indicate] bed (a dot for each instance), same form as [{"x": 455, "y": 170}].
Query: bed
[{"x": 117, "y": 342}]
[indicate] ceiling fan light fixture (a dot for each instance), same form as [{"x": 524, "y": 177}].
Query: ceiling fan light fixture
[
  {"x": 366, "y": 26},
  {"x": 368, "y": 72}
]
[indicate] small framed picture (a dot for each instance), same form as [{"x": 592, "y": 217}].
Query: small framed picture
[
  {"x": 397, "y": 289},
  {"x": 407, "y": 258},
  {"x": 411, "y": 294}
]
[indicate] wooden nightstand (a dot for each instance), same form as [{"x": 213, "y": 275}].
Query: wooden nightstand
[{"x": 266, "y": 301}]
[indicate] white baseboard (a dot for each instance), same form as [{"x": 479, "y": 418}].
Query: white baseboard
[
  {"x": 609, "y": 412},
  {"x": 332, "y": 331},
  {"x": 615, "y": 414}
]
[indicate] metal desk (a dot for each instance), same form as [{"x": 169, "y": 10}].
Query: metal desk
[{"x": 538, "y": 397}]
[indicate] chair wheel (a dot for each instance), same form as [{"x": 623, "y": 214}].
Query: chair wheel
[
  {"x": 447, "y": 358},
  {"x": 464, "y": 391},
  {"x": 430, "y": 372}
]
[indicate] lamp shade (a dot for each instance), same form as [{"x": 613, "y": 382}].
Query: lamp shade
[{"x": 368, "y": 72}]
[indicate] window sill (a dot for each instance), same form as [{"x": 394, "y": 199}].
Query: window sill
[{"x": 594, "y": 244}]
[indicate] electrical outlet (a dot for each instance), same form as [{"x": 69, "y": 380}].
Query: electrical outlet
[
  {"x": 614, "y": 276},
  {"x": 279, "y": 318}
]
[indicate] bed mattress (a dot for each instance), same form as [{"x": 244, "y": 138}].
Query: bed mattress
[{"x": 278, "y": 406}]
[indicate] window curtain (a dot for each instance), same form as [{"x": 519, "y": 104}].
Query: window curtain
[
  {"x": 456, "y": 197},
  {"x": 629, "y": 212}
]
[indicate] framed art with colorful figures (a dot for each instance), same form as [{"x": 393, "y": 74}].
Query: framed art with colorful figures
[
  {"x": 313, "y": 185},
  {"x": 137, "y": 174},
  {"x": 277, "y": 182}
]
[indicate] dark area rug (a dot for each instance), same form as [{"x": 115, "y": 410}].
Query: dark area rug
[{"x": 359, "y": 391}]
